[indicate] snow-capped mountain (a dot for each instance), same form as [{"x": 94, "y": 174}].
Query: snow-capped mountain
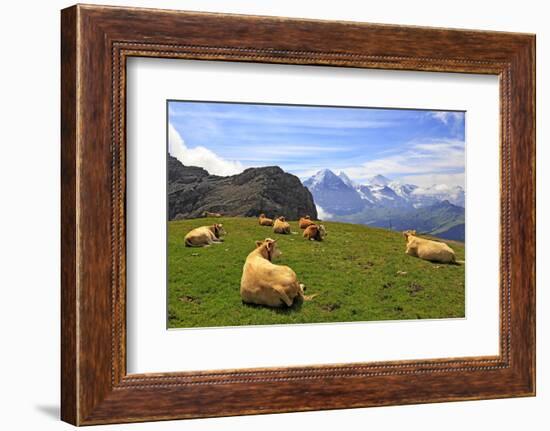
[
  {"x": 378, "y": 191},
  {"x": 403, "y": 190},
  {"x": 378, "y": 180},
  {"x": 332, "y": 193},
  {"x": 380, "y": 199},
  {"x": 347, "y": 181},
  {"x": 324, "y": 179}
]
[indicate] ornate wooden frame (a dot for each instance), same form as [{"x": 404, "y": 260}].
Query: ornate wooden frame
[{"x": 95, "y": 42}]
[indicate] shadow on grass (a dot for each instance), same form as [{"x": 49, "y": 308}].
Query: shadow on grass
[{"x": 283, "y": 309}]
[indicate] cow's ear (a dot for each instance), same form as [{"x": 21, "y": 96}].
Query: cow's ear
[{"x": 259, "y": 243}]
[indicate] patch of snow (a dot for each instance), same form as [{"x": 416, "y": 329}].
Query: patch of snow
[
  {"x": 379, "y": 180},
  {"x": 347, "y": 181}
]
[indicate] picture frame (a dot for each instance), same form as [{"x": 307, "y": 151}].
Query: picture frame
[{"x": 96, "y": 42}]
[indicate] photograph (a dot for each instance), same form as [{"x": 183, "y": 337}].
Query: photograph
[
  {"x": 305, "y": 214},
  {"x": 298, "y": 214}
]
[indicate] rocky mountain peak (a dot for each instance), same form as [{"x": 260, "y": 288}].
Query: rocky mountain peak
[
  {"x": 270, "y": 190},
  {"x": 379, "y": 180},
  {"x": 324, "y": 178},
  {"x": 347, "y": 180}
]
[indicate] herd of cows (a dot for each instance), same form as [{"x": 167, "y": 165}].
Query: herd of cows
[
  {"x": 265, "y": 283},
  {"x": 312, "y": 231}
]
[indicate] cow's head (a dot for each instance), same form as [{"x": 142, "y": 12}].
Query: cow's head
[
  {"x": 322, "y": 231},
  {"x": 409, "y": 233},
  {"x": 307, "y": 217},
  {"x": 281, "y": 218},
  {"x": 262, "y": 215},
  {"x": 269, "y": 249},
  {"x": 219, "y": 230}
]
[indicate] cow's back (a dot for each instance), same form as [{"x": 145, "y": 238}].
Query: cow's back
[
  {"x": 262, "y": 282},
  {"x": 281, "y": 227},
  {"x": 199, "y": 236},
  {"x": 435, "y": 251},
  {"x": 305, "y": 222}
]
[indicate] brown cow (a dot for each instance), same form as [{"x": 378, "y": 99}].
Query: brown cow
[
  {"x": 315, "y": 232},
  {"x": 265, "y": 283},
  {"x": 305, "y": 221},
  {"x": 426, "y": 249},
  {"x": 204, "y": 236},
  {"x": 281, "y": 226},
  {"x": 264, "y": 221}
]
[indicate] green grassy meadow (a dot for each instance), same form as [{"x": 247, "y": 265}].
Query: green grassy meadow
[{"x": 359, "y": 273}]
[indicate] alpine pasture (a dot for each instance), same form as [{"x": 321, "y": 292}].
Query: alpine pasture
[{"x": 358, "y": 273}]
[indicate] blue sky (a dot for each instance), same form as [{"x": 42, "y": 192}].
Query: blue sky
[{"x": 420, "y": 147}]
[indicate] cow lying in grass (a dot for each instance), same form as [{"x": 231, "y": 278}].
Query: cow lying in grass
[
  {"x": 264, "y": 221},
  {"x": 209, "y": 214},
  {"x": 315, "y": 232},
  {"x": 204, "y": 236},
  {"x": 281, "y": 226},
  {"x": 265, "y": 283},
  {"x": 305, "y": 222},
  {"x": 426, "y": 249}
]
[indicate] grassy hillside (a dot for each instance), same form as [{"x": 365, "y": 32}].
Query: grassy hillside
[{"x": 360, "y": 273}]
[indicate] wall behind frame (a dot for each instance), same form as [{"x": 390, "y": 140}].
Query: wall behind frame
[{"x": 29, "y": 220}]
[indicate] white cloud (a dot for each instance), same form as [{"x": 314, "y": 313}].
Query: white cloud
[
  {"x": 322, "y": 214},
  {"x": 436, "y": 182},
  {"x": 421, "y": 159},
  {"x": 445, "y": 116},
  {"x": 200, "y": 156}
]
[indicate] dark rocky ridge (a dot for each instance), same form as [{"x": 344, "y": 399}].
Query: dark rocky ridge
[{"x": 270, "y": 190}]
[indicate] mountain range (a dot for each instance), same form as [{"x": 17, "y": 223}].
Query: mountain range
[
  {"x": 437, "y": 210},
  {"x": 379, "y": 201}
]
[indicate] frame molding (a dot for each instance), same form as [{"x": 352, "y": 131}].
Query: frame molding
[{"x": 96, "y": 41}]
